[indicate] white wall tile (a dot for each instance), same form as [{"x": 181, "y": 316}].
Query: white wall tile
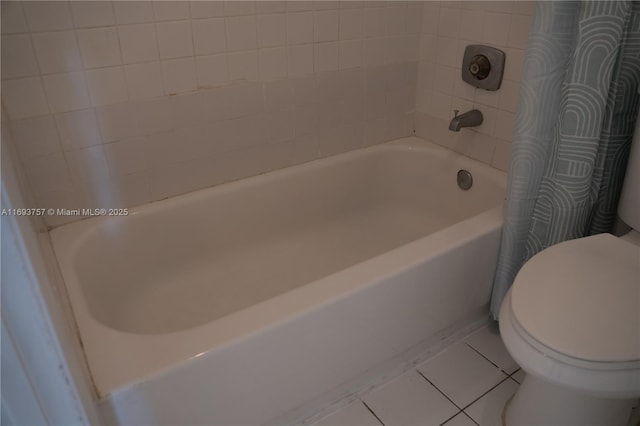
[
  {"x": 174, "y": 39},
  {"x": 514, "y": 63},
  {"x": 99, "y": 47},
  {"x": 88, "y": 165},
  {"x": 179, "y": 75},
  {"x": 48, "y": 173},
  {"x": 47, "y": 16},
  {"x": 519, "y": 31},
  {"x": 428, "y": 47},
  {"x": 238, "y": 8},
  {"x": 430, "y": 15},
  {"x": 326, "y": 57},
  {"x": 299, "y": 28},
  {"x": 13, "y": 20},
  {"x": 449, "y": 22},
  {"x": 243, "y": 100},
  {"x": 487, "y": 97},
  {"x": 78, "y": 129},
  {"x": 300, "y": 59},
  {"x": 375, "y": 22},
  {"x": 501, "y": 155},
  {"x": 212, "y": 70},
  {"x": 272, "y": 30},
  {"x": 298, "y": 5},
  {"x": 66, "y": 92},
  {"x": 206, "y": 9},
  {"x": 505, "y": 125},
  {"x": 209, "y": 36},
  {"x": 509, "y": 96},
  {"x": 402, "y": 48},
  {"x": 499, "y": 6},
  {"x": 170, "y": 10},
  {"x": 489, "y": 117},
  {"x": 278, "y": 94},
  {"x": 375, "y": 51},
  {"x": 87, "y": 14},
  {"x": 496, "y": 28},
  {"x": 133, "y": 12},
  {"x": 243, "y": 66},
  {"x": 413, "y": 18},
  {"x": 24, "y": 98},
  {"x": 462, "y": 89},
  {"x": 326, "y": 25},
  {"x": 144, "y": 80},
  {"x": 107, "y": 86},
  {"x": 471, "y": 24},
  {"x": 153, "y": 115},
  {"x": 126, "y": 156},
  {"x": 138, "y": 43},
  {"x": 116, "y": 122},
  {"x": 18, "y": 58},
  {"x": 273, "y": 63},
  {"x": 396, "y": 23},
  {"x": 57, "y": 51},
  {"x": 241, "y": 33},
  {"x": 188, "y": 110},
  {"x": 35, "y": 136},
  {"x": 447, "y": 52},
  {"x": 444, "y": 79},
  {"x": 524, "y": 7},
  {"x": 326, "y": 4},
  {"x": 351, "y": 22},
  {"x": 269, "y": 6},
  {"x": 350, "y": 54}
]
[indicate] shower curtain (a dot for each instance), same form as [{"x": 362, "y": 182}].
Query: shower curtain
[{"x": 574, "y": 126}]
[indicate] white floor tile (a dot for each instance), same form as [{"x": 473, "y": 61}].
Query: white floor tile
[
  {"x": 518, "y": 376},
  {"x": 488, "y": 342},
  {"x": 355, "y": 414},
  {"x": 487, "y": 411},
  {"x": 410, "y": 400},
  {"x": 460, "y": 420},
  {"x": 461, "y": 373}
]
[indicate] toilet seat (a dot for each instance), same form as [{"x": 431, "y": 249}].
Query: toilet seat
[
  {"x": 581, "y": 298},
  {"x": 573, "y": 356}
]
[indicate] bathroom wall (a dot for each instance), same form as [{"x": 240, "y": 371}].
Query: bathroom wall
[
  {"x": 447, "y": 28},
  {"x": 121, "y": 103}
]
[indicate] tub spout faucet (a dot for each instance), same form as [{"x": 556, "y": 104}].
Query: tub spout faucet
[{"x": 468, "y": 119}]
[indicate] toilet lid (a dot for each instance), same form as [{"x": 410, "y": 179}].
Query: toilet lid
[{"x": 582, "y": 298}]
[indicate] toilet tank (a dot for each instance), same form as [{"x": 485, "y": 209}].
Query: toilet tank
[{"x": 629, "y": 206}]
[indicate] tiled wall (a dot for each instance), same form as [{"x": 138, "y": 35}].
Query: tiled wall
[
  {"x": 447, "y": 28},
  {"x": 121, "y": 103}
]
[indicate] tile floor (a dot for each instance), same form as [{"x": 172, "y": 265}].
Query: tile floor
[{"x": 468, "y": 383}]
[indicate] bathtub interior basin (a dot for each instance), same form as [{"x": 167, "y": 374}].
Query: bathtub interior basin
[{"x": 164, "y": 272}]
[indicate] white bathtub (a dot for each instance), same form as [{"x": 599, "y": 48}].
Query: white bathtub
[{"x": 241, "y": 303}]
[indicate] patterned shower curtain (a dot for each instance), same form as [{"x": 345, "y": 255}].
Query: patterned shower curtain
[{"x": 574, "y": 126}]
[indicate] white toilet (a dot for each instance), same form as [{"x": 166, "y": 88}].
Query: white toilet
[{"x": 571, "y": 320}]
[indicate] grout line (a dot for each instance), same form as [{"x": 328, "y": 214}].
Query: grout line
[
  {"x": 482, "y": 355},
  {"x": 475, "y": 400},
  {"x": 445, "y": 395},
  {"x": 471, "y": 418},
  {"x": 374, "y": 414},
  {"x": 443, "y": 423}
]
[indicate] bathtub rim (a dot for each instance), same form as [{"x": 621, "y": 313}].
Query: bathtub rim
[{"x": 119, "y": 358}]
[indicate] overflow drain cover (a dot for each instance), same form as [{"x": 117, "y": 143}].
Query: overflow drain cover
[{"x": 465, "y": 180}]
